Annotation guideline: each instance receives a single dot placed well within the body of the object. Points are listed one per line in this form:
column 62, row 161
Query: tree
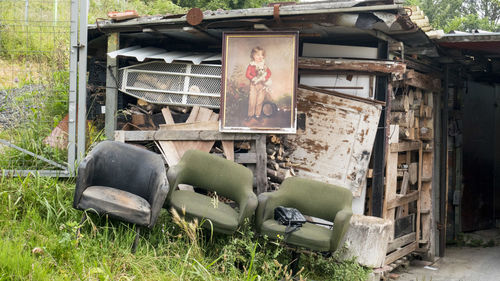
column 489, row 9
column 221, row 4
column 462, row 15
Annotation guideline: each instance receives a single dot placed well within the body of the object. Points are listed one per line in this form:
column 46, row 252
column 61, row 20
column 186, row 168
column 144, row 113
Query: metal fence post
column 82, row 81
column 72, row 87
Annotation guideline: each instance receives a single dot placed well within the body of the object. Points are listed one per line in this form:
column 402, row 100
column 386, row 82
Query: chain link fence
column 34, row 85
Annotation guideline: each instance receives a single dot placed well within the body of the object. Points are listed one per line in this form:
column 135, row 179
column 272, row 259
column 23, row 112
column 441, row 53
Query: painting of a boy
column 260, row 81
column 251, row 101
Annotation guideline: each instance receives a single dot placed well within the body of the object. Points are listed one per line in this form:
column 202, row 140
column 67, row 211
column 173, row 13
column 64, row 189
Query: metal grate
column 173, row 83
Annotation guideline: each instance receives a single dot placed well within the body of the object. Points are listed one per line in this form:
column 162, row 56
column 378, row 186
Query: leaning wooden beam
column 400, row 253
column 404, row 146
column 161, row 135
column 397, row 69
column 401, row 241
column 401, row 200
column 423, row 81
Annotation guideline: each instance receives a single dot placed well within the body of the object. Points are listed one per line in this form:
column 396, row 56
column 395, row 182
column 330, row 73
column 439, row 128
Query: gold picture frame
column 259, row 82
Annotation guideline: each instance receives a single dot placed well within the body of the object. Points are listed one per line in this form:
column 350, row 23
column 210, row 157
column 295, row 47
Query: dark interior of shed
column 473, row 136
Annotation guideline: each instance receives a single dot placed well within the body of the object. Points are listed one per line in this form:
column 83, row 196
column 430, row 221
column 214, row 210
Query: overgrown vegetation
column 38, row 242
column 461, row 15
column 37, row 221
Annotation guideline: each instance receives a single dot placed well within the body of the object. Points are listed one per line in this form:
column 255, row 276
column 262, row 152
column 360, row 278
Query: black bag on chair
column 290, row 217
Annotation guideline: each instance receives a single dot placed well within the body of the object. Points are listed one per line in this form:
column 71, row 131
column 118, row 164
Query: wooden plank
column 426, row 204
column 245, row 158
column 400, row 253
column 228, row 147
column 337, row 141
column 413, row 171
column 422, row 81
column 131, row 136
column 242, row 158
column 404, row 189
column 401, row 241
column 405, row 146
column 193, row 115
column 206, row 125
column 391, row 179
column 111, row 86
column 168, row 148
column 401, row 200
column 199, row 119
column 260, row 166
column 170, row 152
column 120, row 136
column 167, row 115
column 364, row 66
column 212, row 117
column 427, row 165
column 419, row 188
column 204, row 114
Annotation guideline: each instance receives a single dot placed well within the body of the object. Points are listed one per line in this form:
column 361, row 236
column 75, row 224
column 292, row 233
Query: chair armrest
column 174, row 178
column 157, row 198
column 268, row 201
column 84, row 178
column 340, row 226
column 247, row 207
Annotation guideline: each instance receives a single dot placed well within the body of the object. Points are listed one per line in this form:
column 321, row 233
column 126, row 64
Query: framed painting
column 259, row 81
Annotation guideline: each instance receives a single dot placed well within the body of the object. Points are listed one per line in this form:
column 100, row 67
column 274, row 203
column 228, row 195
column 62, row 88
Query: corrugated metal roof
column 157, row 53
column 284, row 10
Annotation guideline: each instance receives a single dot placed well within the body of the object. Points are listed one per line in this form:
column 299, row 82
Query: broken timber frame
column 257, row 157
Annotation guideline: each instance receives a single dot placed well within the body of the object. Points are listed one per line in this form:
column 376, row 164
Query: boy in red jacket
column 260, row 81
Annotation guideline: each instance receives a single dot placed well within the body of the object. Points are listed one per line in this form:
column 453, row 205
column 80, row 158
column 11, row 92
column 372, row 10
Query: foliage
column 221, row 4
column 100, row 8
column 469, row 22
column 41, row 108
column 38, row 242
column 464, row 15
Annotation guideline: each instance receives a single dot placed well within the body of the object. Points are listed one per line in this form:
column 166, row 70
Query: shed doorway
column 481, row 157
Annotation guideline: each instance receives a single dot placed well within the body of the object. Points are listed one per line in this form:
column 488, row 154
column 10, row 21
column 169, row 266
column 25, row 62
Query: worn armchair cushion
column 118, row 203
column 309, row 235
column 216, row 174
column 223, row 217
column 123, row 181
column 312, row 198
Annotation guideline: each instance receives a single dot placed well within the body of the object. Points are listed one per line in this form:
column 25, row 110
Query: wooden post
column 111, row 86
column 261, row 169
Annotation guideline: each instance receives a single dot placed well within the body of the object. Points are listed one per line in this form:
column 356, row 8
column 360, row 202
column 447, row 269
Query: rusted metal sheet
column 336, row 142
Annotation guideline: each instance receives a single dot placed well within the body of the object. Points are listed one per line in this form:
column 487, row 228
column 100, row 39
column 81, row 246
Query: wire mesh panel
column 34, row 84
column 173, row 83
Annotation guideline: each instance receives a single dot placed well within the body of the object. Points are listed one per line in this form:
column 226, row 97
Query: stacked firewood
column 279, row 166
column 412, row 109
column 146, row 116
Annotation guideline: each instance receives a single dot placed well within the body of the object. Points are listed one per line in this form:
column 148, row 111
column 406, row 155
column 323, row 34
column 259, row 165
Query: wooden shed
column 373, row 81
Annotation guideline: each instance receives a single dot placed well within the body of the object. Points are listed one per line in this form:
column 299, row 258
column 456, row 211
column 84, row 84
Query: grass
column 37, row 221
column 37, row 238
column 39, row 109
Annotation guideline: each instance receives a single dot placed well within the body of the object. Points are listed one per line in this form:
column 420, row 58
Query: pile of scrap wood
column 279, row 166
column 411, row 109
column 145, row 116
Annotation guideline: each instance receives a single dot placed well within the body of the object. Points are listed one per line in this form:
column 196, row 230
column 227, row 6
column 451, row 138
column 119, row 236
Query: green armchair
column 311, row 198
column 212, row 173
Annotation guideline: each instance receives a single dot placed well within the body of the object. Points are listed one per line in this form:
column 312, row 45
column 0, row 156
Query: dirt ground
column 461, row 263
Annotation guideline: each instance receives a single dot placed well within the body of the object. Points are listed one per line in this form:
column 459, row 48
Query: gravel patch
column 16, row 104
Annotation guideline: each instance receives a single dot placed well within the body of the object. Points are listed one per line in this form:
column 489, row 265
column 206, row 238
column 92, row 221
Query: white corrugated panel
column 157, row 53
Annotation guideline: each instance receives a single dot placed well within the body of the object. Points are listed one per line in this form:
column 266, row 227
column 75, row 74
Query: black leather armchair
column 123, row 181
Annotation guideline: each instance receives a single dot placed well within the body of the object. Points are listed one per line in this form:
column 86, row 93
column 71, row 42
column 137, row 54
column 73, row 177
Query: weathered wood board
column 337, row 141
